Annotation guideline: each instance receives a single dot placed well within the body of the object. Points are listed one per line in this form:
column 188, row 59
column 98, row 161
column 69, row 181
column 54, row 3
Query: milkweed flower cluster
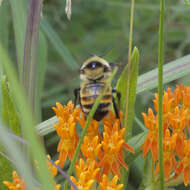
column 100, row 154
column 176, row 130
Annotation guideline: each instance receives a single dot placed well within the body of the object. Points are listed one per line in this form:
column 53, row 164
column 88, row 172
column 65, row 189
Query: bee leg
column 115, row 108
column 76, row 93
column 118, row 94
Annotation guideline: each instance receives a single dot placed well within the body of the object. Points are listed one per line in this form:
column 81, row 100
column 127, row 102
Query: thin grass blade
column 30, row 77
column 18, row 9
column 36, row 149
column 17, row 157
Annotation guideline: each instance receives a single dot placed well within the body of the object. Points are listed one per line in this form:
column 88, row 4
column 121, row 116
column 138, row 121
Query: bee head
column 95, row 68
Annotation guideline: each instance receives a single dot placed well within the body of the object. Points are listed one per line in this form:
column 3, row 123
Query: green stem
column 160, row 91
column 84, row 131
column 129, row 61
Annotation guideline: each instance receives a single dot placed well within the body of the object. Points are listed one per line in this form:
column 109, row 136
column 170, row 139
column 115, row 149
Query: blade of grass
column 36, row 148
column 125, row 111
column 17, row 157
column 18, row 9
column 4, row 34
column 84, row 131
column 171, row 71
column 58, row 44
column 160, row 93
column 30, row 53
column 41, row 71
column 10, row 117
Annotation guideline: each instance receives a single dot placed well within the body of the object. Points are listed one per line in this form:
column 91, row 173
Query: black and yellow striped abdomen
column 88, row 95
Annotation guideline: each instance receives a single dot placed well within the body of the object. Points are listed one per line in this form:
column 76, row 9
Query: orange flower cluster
column 18, row 183
column 100, row 154
column 176, row 130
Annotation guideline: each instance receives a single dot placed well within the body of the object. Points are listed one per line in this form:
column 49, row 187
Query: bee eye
column 93, row 65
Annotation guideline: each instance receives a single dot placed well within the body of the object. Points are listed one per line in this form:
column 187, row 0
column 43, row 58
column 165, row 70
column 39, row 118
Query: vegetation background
column 101, row 28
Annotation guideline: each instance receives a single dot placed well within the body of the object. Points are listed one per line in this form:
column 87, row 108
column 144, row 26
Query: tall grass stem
column 160, row 92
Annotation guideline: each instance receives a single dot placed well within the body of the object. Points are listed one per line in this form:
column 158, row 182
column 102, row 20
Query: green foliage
column 122, row 88
column 9, row 112
column 10, row 118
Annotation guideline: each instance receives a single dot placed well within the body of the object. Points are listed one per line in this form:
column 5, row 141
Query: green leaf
column 147, row 175
column 58, row 44
column 122, row 88
column 18, row 9
column 36, row 150
column 136, row 142
column 171, row 71
column 4, row 34
column 4, row 23
column 9, row 112
column 41, row 71
column 17, row 158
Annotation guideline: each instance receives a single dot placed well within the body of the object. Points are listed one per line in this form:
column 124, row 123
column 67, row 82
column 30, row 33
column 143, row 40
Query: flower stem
column 160, row 91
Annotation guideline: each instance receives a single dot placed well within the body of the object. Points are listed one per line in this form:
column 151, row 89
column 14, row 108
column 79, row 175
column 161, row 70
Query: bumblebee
column 94, row 75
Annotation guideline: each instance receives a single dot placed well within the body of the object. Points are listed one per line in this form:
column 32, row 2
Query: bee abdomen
column 101, row 106
column 92, row 99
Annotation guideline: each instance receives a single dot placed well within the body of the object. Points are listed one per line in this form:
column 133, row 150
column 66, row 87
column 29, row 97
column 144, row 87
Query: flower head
column 17, row 184
column 105, row 184
column 176, row 142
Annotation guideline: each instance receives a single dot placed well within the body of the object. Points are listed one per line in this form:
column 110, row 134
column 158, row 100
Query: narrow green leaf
column 9, row 113
column 136, row 142
column 46, row 127
column 17, row 158
column 171, row 71
column 42, row 64
column 4, row 34
column 4, row 21
column 10, row 118
column 122, row 88
column 18, row 9
column 147, row 182
column 30, row 65
column 58, row 44
column 36, row 149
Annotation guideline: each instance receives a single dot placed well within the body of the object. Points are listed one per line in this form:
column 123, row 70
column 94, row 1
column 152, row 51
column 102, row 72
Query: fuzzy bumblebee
column 94, row 75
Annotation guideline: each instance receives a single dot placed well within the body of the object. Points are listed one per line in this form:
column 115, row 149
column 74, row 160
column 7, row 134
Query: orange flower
column 184, row 165
column 105, row 184
column 17, row 184
column 51, row 167
column 112, row 143
column 178, row 121
column 67, row 117
column 151, row 142
column 91, row 148
column 176, row 142
column 86, row 174
column 169, row 145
